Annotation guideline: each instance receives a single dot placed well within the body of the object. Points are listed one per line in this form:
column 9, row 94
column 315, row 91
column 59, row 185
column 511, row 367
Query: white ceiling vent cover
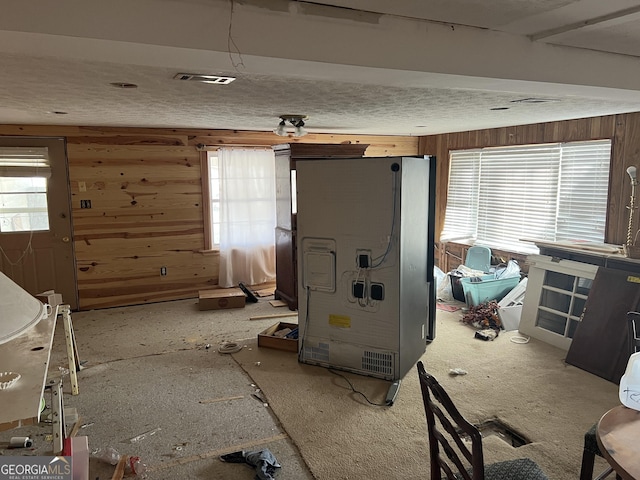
column 198, row 77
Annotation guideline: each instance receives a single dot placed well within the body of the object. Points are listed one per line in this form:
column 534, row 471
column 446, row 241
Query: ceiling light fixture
column 297, row 121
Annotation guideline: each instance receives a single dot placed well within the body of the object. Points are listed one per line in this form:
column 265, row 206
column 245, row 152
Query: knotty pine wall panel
column 622, row 129
column 145, row 189
column 146, row 213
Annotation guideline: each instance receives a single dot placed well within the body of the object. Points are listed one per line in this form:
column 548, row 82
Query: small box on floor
column 277, row 336
column 221, row 298
column 50, row 297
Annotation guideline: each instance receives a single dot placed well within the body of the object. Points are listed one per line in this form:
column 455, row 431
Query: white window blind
column 23, row 189
column 544, row 192
column 462, row 196
column 584, row 180
column 24, row 162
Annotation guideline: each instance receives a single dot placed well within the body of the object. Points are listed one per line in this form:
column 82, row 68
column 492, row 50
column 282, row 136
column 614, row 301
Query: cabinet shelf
column 557, row 293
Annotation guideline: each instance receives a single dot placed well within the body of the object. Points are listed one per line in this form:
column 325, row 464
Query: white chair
column 478, row 258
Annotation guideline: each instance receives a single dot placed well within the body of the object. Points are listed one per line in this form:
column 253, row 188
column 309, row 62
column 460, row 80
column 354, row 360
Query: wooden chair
column 450, row 455
column 591, row 449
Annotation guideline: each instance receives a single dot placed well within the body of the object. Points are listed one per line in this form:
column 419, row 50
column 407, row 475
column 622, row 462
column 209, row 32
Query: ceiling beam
column 617, row 17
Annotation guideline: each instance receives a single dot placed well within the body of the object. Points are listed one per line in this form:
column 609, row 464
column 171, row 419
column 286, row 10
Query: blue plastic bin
column 490, row 288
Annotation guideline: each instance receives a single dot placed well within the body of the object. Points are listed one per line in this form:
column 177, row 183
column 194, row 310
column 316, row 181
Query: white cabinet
column 557, row 292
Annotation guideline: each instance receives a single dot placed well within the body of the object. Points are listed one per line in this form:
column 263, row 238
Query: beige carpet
column 527, row 386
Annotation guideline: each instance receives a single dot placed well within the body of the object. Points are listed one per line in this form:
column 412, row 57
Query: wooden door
column 40, row 259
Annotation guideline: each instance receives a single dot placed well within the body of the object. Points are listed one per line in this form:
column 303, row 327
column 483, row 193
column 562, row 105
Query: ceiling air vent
column 198, row 77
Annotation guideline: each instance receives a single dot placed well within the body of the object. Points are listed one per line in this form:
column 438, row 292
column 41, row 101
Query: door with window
column 36, row 240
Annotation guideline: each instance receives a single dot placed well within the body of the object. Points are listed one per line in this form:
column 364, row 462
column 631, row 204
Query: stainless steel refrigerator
column 365, row 246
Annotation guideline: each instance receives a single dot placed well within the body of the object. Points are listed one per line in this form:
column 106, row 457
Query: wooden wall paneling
column 623, row 130
column 632, row 157
column 159, row 170
column 631, row 141
column 379, row 145
column 146, row 191
column 617, row 214
column 551, row 132
column 146, row 214
column 101, row 135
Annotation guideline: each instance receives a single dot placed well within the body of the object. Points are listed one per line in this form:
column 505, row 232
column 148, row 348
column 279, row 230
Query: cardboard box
column 266, row 338
column 221, row 298
column 50, row 297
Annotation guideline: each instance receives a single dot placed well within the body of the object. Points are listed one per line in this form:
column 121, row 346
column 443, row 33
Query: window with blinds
column 552, row 192
column 23, row 189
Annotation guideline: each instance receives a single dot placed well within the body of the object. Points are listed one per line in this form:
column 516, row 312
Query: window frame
column 27, row 163
column 207, row 211
column 535, row 158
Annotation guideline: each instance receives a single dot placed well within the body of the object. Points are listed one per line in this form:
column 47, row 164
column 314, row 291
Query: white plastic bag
column 511, row 270
column 444, row 291
column 438, row 277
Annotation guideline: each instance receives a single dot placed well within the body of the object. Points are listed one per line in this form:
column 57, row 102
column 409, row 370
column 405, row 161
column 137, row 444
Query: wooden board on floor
column 277, row 303
column 265, row 292
column 275, row 315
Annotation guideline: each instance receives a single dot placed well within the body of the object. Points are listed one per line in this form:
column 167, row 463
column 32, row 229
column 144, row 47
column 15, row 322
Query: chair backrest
column 634, row 332
column 478, row 258
column 448, row 429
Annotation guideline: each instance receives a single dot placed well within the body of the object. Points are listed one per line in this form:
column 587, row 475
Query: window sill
column 215, row 251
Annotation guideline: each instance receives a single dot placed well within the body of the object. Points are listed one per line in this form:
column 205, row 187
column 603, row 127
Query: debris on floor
column 263, row 461
column 123, row 463
column 486, row 334
column 485, row 318
column 144, row 435
column 229, row 347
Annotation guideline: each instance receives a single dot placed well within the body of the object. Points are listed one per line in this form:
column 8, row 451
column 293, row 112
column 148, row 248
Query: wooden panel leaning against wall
column 146, row 195
column 622, row 129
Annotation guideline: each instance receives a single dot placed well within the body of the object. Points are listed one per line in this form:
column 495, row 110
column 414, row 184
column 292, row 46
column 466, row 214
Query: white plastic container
column 630, row 383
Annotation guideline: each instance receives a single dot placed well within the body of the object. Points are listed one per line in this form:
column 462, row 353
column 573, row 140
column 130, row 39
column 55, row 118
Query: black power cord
column 353, row 389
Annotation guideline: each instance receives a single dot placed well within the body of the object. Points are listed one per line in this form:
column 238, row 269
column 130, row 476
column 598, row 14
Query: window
column 23, row 189
column 214, row 199
column 550, row 192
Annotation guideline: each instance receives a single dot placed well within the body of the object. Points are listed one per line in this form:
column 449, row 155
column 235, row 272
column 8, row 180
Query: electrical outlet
column 377, row 291
column 358, row 289
column 363, row 258
column 85, row 203
column 163, row 271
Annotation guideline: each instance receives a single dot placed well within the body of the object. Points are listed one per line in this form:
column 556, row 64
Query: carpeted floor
column 148, row 366
column 527, row 386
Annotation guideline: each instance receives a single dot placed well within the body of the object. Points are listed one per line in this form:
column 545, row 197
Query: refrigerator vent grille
column 377, row 362
column 319, row 353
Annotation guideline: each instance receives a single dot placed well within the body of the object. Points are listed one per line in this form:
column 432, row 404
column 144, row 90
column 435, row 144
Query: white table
column 29, row 355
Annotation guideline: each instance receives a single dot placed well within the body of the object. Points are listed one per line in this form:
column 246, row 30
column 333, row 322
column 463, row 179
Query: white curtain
column 247, row 216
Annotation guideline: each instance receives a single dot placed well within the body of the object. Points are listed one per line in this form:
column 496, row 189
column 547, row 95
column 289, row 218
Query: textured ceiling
column 374, row 101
